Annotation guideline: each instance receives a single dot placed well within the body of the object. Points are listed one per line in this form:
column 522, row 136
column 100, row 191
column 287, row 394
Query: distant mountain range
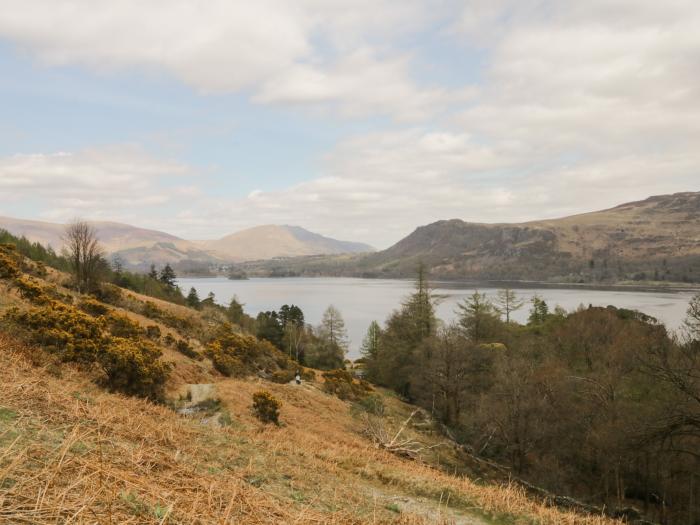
column 268, row 242
column 139, row 247
column 657, row 239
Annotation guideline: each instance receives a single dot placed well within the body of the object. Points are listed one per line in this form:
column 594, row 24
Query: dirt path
column 435, row 511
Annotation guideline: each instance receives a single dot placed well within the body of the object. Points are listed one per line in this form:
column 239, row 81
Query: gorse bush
column 9, row 262
column 372, row 404
column 185, row 349
column 30, row 289
column 153, row 332
column 266, row 407
column 121, row 326
column 130, row 365
column 93, row 307
column 62, row 329
column 282, row 376
column 153, row 311
column 134, row 367
column 341, row 383
column 235, row 354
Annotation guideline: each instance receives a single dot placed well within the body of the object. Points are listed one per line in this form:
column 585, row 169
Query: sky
column 360, row 120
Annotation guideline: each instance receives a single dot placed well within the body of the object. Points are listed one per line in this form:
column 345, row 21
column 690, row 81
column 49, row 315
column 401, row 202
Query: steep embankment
column 654, row 239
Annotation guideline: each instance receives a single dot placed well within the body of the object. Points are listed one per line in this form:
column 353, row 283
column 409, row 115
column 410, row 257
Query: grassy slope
column 73, row 453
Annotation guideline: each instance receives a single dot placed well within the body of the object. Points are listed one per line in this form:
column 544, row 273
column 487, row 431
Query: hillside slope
column 270, row 241
column 71, row 451
column 654, row 239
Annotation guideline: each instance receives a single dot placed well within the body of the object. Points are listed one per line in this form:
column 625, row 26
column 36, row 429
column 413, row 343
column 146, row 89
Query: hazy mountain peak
column 269, row 241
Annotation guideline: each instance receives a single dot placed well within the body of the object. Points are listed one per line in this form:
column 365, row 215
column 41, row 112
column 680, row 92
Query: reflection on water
column 364, row 300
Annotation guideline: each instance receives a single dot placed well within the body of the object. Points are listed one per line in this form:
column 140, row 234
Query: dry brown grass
column 71, row 453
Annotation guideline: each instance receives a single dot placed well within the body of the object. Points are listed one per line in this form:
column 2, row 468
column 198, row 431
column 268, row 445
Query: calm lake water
column 363, row 300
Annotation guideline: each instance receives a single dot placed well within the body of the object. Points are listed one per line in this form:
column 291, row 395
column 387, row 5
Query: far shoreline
column 623, row 286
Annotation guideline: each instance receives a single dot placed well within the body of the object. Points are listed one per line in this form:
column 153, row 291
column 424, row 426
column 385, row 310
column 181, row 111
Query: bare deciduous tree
column 508, row 302
column 85, row 254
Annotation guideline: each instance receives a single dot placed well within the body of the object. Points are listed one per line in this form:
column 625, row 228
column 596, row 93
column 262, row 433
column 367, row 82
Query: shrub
column 121, row 326
column 134, row 367
column 238, row 354
column 109, row 293
column 286, row 375
column 308, row 375
column 153, row 332
column 184, row 348
column 30, row 289
column 282, row 376
column 131, row 365
column 40, row 269
column 62, row 329
column 93, row 307
column 372, row 404
column 341, row 383
column 224, row 361
column 152, row 311
column 9, row 261
column 266, row 407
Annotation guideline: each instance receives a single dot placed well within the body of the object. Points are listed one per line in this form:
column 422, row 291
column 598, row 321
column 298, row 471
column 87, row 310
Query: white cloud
column 581, row 105
column 306, row 52
column 105, row 183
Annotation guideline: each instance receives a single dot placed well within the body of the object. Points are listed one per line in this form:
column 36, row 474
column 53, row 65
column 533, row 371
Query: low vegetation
column 266, row 407
column 600, row 404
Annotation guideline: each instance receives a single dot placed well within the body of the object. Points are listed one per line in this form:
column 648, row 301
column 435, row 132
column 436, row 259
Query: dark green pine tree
column 167, row 276
column 192, row 298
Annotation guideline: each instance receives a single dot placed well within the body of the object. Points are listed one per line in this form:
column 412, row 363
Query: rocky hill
column 654, row 239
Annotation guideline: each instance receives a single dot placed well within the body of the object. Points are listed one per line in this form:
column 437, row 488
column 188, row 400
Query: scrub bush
column 134, row 367
column 266, row 407
column 341, row 383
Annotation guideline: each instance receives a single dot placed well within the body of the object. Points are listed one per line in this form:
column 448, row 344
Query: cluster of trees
column 600, row 403
column 323, row 346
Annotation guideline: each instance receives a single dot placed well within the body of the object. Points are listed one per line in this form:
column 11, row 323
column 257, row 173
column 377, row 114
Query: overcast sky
column 357, row 119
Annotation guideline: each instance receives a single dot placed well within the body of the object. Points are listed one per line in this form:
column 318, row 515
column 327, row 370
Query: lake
column 363, row 300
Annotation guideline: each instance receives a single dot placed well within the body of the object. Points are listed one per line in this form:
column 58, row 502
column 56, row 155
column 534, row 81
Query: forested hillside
column 601, row 403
